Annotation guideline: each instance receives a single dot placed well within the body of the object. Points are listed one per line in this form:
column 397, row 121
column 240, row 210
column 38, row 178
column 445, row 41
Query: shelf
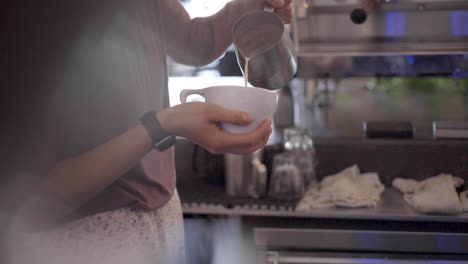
column 199, row 197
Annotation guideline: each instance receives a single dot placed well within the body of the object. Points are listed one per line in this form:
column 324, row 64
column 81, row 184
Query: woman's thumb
column 276, row 3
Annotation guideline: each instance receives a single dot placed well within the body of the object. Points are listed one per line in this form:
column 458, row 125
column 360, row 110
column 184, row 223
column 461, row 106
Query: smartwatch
column 161, row 139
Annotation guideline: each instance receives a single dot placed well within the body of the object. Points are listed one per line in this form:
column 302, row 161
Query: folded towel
column 348, row 188
column 464, row 201
column 405, row 185
column 433, row 195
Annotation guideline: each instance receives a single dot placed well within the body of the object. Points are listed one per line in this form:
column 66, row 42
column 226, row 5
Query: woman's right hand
column 199, row 122
column 282, row 8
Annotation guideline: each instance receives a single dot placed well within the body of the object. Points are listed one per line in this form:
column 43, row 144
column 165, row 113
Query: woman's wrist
column 162, row 118
column 165, row 118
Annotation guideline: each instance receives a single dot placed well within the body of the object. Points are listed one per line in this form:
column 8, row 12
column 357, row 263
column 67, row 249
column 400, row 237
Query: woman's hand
column 283, row 8
column 199, row 122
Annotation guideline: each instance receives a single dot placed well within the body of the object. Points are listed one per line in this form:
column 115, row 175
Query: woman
column 87, row 84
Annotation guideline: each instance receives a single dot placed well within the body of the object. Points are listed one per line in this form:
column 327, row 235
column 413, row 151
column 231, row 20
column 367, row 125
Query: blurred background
column 373, row 79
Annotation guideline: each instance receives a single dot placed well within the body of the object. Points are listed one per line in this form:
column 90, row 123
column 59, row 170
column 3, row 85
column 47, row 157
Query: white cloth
column 433, row 195
column 464, row 201
column 348, row 188
column 122, row 236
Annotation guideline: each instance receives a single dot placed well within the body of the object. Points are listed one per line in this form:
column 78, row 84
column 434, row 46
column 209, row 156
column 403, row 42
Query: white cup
column 258, row 102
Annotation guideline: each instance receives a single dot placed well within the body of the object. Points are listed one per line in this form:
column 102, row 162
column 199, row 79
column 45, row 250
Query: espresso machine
column 375, row 28
column 383, row 38
column 374, row 38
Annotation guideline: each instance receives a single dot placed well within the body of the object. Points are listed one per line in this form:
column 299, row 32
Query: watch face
column 165, row 143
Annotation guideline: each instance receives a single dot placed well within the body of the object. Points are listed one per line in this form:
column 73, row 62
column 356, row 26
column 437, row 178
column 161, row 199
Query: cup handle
column 185, row 93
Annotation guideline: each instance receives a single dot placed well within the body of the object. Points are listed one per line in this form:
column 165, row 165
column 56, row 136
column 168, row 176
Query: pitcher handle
column 185, row 93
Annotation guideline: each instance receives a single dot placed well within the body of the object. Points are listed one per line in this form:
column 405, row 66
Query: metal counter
column 199, row 197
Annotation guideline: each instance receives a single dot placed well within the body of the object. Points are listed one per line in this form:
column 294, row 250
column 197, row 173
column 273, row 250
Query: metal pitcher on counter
column 246, row 176
column 260, row 38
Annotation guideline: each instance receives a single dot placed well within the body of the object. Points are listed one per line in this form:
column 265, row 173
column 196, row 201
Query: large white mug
column 258, row 102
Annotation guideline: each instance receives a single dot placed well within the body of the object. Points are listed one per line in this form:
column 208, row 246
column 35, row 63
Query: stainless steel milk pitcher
column 261, row 38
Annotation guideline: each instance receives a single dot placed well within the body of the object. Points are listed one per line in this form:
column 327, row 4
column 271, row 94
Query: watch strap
column 161, row 139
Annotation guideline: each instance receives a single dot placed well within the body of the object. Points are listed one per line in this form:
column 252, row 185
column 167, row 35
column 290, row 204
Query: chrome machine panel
column 397, row 38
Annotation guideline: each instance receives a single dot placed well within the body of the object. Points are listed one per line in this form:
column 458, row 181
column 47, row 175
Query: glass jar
column 299, row 144
column 286, row 180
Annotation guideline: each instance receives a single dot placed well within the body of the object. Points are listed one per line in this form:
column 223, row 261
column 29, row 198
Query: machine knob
column 359, row 15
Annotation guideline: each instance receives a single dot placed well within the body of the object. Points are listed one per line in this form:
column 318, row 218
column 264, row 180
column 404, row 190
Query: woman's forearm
column 201, row 40
column 73, row 182
column 79, row 179
column 220, row 26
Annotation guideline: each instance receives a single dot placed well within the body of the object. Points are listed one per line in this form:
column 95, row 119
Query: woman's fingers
column 285, row 13
column 249, row 150
column 276, row 3
column 249, row 139
column 199, row 122
column 217, row 113
column 226, row 141
column 283, row 8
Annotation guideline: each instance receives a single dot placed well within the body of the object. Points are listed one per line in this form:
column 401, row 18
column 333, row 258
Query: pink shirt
column 81, row 73
column 119, row 56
